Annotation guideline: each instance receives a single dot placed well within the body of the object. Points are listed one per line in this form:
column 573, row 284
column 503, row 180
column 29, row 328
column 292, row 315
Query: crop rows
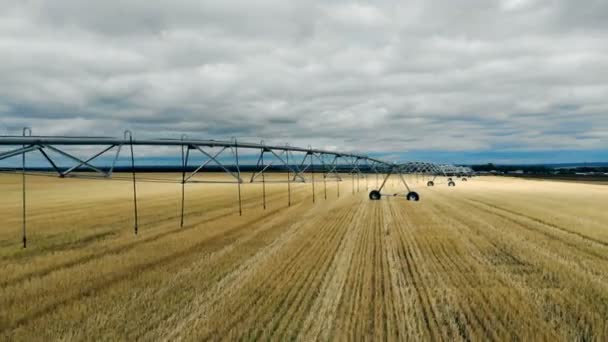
column 493, row 259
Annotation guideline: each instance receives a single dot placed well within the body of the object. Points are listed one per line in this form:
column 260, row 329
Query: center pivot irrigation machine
column 295, row 161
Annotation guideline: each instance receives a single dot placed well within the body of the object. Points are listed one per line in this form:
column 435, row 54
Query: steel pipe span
column 331, row 164
column 90, row 141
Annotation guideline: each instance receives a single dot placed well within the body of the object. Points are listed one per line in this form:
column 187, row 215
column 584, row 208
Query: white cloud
column 385, row 76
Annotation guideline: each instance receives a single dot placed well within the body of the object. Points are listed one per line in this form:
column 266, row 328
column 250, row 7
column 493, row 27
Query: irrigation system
column 223, row 155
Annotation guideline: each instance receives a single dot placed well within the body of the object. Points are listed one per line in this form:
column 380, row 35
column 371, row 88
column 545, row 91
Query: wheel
column 451, row 183
column 449, row 179
column 374, row 195
column 430, row 183
column 413, row 196
column 464, row 179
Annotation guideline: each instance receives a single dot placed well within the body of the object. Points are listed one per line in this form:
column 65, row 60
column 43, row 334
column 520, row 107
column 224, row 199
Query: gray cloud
column 381, row 76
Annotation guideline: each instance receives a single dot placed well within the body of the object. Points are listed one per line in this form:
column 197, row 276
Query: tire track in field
column 458, row 270
column 293, row 297
column 405, row 301
column 407, row 282
column 230, row 285
column 381, row 280
column 219, row 270
column 295, row 302
column 363, row 309
column 219, row 287
column 331, row 291
column 430, row 267
column 256, row 299
column 299, row 310
column 362, row 316
column 347, row 305
column 411, row 253
column 384, row 318
column 392, row 298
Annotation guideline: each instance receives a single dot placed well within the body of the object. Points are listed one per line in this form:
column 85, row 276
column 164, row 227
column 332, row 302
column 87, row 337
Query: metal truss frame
column 330, row 165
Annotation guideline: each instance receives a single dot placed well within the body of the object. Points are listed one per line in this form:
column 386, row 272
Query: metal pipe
column 47, row 140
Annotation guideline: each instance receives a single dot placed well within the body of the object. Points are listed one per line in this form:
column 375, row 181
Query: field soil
column 489, row 259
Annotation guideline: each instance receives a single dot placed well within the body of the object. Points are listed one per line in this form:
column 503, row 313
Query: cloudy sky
column 467, row 81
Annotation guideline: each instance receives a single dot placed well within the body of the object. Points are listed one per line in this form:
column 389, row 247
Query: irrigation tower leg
column 185, row 157
column 324, row 180
column 263, row 182
column 135, row 228
column 238, row 170
column 312, row 176
column 288, row 181
column 24, row 234
column 338, row 187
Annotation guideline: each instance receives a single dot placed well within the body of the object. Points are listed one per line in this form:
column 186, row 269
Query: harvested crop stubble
column 491, row 259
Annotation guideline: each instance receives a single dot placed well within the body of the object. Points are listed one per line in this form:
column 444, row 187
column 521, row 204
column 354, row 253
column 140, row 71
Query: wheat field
column 491, row 259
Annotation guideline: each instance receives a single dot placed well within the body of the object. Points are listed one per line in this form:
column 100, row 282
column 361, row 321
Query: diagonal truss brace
column 81, row 162
column 18, row 151
column 214, row 159
column 257, row 174
column 286, row 164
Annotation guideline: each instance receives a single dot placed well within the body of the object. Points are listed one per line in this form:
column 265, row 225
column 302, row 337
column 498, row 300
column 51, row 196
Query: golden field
column 491, row 259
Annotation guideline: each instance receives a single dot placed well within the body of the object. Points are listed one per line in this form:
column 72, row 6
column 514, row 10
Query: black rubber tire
column 430, row 183
column 413, row 196
column 451, row 183
column 464, row 179
column 449, row 179
column 374, row 195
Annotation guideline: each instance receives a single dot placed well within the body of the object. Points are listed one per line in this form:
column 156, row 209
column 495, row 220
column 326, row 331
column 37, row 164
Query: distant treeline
column 539, row 169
